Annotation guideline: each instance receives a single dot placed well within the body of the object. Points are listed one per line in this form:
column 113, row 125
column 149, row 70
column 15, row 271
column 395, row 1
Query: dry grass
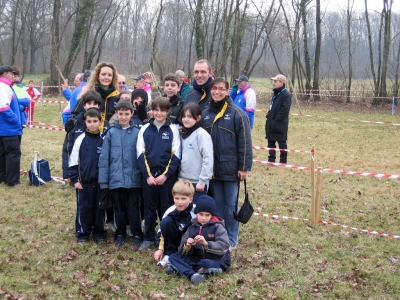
column 276, row 259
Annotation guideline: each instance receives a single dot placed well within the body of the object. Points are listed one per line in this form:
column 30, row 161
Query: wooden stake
column 318, row 196
column 312, row 218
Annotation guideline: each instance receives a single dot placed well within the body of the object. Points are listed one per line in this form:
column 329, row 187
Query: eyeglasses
column 219, row 89
column 121, row 83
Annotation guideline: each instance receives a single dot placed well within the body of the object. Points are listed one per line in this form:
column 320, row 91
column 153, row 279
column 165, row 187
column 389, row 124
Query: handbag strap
column 245, row 191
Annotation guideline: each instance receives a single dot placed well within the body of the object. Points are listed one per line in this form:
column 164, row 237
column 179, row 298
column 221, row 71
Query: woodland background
column 315, row 48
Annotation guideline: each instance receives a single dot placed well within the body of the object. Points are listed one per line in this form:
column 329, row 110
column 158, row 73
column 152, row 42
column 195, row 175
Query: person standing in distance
column 277, row 123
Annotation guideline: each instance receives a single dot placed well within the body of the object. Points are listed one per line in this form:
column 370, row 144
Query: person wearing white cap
column 10, row 130
column 276, row 126
column 245, row 97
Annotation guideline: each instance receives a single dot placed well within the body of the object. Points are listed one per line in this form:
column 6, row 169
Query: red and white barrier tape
column 344, row 95
column 52, row 101
column 282, row 150
column 47, row 128
column 330, row 223
column 45, row 124
column 338, row 119
column 367, row 174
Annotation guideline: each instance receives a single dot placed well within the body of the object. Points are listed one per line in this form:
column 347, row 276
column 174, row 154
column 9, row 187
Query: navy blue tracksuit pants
column 187, row 265
column 89, row 216
column 153, row 196
column 127, row 208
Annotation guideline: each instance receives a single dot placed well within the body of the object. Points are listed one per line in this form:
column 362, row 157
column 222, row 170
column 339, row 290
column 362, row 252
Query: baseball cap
column 242, row 78
column 280, row 78
column 139, row 77
column 4, row 69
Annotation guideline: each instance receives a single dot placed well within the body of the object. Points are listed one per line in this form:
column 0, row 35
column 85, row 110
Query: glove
column 69, row 125
column 141, row 111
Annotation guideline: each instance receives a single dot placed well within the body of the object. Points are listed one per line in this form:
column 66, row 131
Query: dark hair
column 219, row 80
column 124, row 105
column 193, row 108
column 86, row 75
column 32, row 81
column 172, row 77
column 93, row 112
column 162, row 103
column 91, row 96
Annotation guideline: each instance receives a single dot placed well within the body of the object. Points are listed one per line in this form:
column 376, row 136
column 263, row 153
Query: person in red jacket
column 35, row 96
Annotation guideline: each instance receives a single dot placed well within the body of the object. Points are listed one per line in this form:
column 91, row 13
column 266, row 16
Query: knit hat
column 205, row 204
column 140, row 93
column 4, row 69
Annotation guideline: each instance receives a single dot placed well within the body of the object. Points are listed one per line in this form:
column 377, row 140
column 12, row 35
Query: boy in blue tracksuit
column 158, row 150
column 75, row 126
column 84, row 171
column 204, row 248
column 119, row 172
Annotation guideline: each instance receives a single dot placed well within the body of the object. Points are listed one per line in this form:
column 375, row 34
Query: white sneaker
column 128, row 231
column 232, row 248
column 164, row 262
column 110, row 226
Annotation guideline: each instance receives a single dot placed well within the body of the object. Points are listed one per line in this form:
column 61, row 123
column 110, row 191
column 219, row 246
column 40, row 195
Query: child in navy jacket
column 84, row 171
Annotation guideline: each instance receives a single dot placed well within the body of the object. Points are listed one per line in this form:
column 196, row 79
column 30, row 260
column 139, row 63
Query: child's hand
column 158, row 255
column 200, row 187
column 190, row 242
column 201, row 240
column 78, row 186
column 161, row 179
column 151, row 181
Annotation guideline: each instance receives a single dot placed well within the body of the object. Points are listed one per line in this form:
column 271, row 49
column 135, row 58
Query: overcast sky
column 359, row 5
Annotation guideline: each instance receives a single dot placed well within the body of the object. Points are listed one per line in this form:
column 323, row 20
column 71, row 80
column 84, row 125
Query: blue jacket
column 118, row 165
column 159, row 151
column 84, row 159
column 201, row 96
column 72, row 97
column 231, row 136
column 245, row 98
column 23, row 99
column 10, row 115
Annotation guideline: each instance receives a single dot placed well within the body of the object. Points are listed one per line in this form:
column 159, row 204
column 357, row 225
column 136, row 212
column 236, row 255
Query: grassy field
column 275, row 259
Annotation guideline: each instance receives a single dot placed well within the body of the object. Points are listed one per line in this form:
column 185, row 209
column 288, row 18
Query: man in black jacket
column 276, row 126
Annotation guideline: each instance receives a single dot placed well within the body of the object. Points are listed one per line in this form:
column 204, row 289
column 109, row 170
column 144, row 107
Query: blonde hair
column 94, row 78
column 183, row 187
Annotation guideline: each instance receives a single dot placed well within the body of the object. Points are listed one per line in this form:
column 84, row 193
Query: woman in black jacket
column 229, row 128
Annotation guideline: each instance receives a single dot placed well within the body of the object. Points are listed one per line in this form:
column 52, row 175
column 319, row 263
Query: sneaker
column 197, row 278
column 120, row 240
column 164, row 262
column 128, row 231
column 110, row 226
column 146, row 245
column 232, row 248
column 101, row 242
column 171, row 271
column 137, row 241
column 83, row 240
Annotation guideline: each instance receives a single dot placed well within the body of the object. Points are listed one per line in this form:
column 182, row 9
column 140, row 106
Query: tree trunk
column 198, row 32
column 317, row 50
column 350, row 58
column 55, row 43
column 303, row 14
column 387, row 15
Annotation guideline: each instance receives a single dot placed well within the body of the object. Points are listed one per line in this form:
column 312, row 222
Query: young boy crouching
column 204, row 248
column 175, row 222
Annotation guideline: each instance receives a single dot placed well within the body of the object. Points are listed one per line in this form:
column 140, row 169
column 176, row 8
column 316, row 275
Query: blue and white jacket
column 159, row 150
column 84, row 159
column 10, row 115
column 246, row 99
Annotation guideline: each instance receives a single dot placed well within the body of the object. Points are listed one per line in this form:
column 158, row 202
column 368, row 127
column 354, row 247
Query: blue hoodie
column 10, row 116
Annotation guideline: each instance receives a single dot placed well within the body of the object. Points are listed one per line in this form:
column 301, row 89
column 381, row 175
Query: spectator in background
column 67, row 93
column 35, row 96
column 73, row 97
column 24, row 99
column 184, row 88
column 203, row 76
column 122, row 83
column 277, row 124
column 10, row 130
column 244, row 96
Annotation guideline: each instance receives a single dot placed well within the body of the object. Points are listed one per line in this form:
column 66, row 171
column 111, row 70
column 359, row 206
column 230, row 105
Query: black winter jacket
column 277, row 124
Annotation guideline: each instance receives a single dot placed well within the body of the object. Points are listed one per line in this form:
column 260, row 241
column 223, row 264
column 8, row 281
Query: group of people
column 174, row 155
column 17, row 103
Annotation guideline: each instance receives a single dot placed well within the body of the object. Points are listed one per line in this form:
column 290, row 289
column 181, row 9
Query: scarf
column 186, row 132
column 204, row 87
column 215, row 107
column 104, row 92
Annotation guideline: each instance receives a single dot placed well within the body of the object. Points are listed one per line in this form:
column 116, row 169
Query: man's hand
column 242, row 175
column 64, row 85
